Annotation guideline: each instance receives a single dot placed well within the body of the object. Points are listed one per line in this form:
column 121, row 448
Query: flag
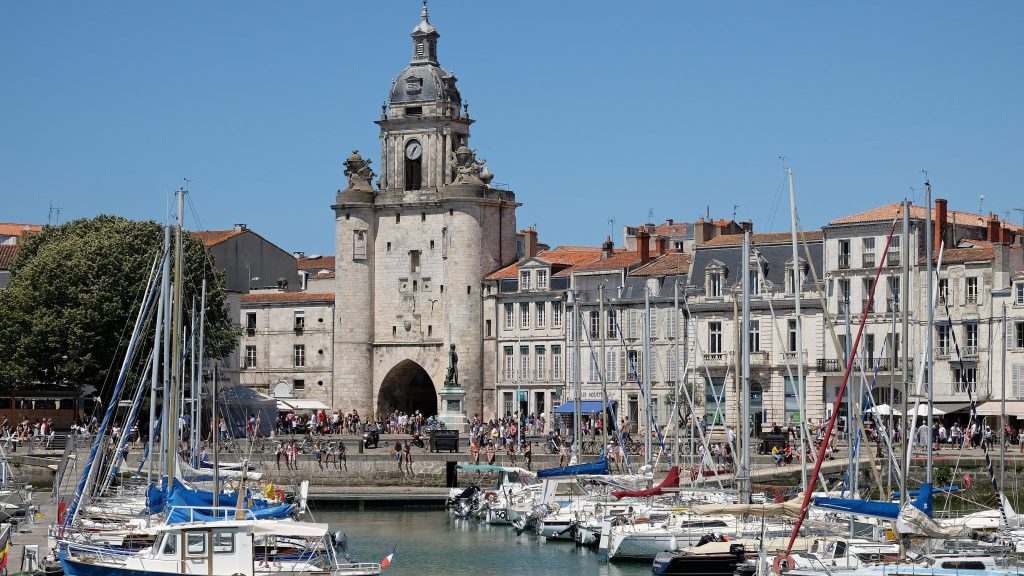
column 5, row 545
column 389, row 558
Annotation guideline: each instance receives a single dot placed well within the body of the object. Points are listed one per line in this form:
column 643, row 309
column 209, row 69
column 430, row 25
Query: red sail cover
column 670, row 481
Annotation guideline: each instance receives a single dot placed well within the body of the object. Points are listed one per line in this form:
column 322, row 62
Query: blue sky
column 588, row 110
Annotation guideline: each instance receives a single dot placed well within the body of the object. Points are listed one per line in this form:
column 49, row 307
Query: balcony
column 883, row 364
column 942, row 351
column 893, row 259
column 970, row 351
column 715, row 358
column 250, row 331
column 844, row 261
column 794, row 356
column 972, row 297
column 867, row 305
column 867, row 261
column 759, row 358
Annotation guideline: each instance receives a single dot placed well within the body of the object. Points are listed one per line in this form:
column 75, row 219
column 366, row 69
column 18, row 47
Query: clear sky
column 588, row 110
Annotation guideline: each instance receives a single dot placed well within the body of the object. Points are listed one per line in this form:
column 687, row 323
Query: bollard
column 360, row 445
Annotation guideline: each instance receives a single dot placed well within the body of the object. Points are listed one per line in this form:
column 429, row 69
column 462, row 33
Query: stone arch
column 407, row 387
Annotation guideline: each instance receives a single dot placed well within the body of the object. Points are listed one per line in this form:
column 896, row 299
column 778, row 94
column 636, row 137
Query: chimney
column 662, row 244
column 670, row 222
column 995, row 229
column 939, row 222
column 607, row 248
column 643, row 245
column 530, row 242
column 240, row 227
column 699, row 232
column 298, row 254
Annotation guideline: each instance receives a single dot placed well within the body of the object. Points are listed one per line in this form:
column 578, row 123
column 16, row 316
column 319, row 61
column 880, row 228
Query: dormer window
column 714, row 279
column 542, row 279
column 524, row 280
column 795, row 275
column 1019, row 293
column 714, row 287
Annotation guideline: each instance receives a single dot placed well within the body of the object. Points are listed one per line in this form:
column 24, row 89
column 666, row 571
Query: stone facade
column 285, row 348
column 412, row 249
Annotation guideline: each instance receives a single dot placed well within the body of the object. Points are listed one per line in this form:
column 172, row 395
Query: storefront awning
column 300, row 404
column 994, row 408
column 586, row 407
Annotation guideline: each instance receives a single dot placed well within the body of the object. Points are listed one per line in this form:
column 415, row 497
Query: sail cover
column 877, row 508
column 670, row 481
column 599, row 466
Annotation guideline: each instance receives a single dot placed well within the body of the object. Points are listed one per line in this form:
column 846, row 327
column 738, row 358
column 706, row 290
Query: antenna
column 53, row 216
column 650, row 215
column 981, row 203
column 734, row 208
column 611, row 226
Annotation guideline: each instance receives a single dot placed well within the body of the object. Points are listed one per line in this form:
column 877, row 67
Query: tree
column 75, row 290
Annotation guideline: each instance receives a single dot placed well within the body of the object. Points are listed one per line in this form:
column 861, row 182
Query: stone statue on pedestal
column 452, row 377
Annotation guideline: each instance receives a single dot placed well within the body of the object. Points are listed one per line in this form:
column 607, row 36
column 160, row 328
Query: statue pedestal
column 453, row 412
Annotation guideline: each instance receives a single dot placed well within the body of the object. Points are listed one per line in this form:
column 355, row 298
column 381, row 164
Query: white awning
column 301, row 404
column 994, row 408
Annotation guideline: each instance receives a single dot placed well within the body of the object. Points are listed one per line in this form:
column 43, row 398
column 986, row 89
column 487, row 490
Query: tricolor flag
column 389, row 558
column 5, row 545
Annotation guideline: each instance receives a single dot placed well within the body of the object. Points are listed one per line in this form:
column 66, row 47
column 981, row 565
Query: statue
column 452, row 377
column 467, row 167
column 358, row 172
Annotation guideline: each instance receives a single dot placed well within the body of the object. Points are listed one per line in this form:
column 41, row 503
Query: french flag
column 389, row 558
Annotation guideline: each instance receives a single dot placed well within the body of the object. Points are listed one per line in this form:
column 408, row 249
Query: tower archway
column 407, row 388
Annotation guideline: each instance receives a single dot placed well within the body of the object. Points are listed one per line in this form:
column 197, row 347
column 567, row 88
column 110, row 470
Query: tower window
column 419, row 49
column 398, row 218
column 469, row 289
column 423, row 216
column 430, row 330
column 431, row 244
column 414, row 111
column 414, row 261
column 413, row 173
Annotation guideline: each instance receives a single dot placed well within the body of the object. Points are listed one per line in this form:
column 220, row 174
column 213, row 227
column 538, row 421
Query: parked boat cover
column 599, row 466
column 790, row 508
column 670, row 481
column 876, row 508
column 182, row 515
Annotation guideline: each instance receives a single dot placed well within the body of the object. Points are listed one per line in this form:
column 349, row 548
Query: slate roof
column 7, row 252
column 677, row 263
column 275, row 297
column 763, row 239
column 775, row 257
column 566, row 256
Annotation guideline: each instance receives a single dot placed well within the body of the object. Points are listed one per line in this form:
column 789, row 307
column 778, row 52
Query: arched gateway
column 407, row 388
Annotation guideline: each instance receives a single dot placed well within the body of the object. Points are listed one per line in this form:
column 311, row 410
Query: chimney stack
column 939, row 222
column 607, row 248
column 530, row 242
column 662, row 243
column 995, row 229
column 643, row 245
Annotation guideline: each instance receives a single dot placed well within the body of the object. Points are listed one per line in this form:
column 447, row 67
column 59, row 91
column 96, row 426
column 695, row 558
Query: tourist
column 943, row 435
column 563, row 455
column 318, row 449
column 490, row 453
column 528, row 454
column 278, row 454
column 474, row 450
column 396, row 453
column 342, row 455
column 510, row 450
column 407, row 454
column 776, row 455
column 329, row 455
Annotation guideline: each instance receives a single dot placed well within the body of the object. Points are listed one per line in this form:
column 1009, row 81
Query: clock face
column 413, row 149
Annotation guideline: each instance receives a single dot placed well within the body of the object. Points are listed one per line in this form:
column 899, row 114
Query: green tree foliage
column 75, row 290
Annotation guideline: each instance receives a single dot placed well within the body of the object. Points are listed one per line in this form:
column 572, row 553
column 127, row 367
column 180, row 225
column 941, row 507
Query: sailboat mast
column 797, row 289
column 214, row 437
column 929, row 378
column 197, row 426
column 905, row 350
column 165, row 267
column 1002, row 407
column 171, row 414
column 604, row 364
column 646, row 380
column 743, row 477
column 576, row 366
column 677, row 376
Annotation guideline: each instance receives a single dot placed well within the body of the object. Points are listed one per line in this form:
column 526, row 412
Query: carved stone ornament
column 358, row 172
column 467, row 168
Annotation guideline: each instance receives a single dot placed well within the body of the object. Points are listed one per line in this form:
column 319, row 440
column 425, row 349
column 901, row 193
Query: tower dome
column 424, row 80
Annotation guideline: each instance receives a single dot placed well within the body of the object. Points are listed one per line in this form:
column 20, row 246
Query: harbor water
column 434, row 542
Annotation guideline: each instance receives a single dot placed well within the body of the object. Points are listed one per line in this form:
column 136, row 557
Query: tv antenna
column 53, row 216
column 981, row 203
column 734, row 208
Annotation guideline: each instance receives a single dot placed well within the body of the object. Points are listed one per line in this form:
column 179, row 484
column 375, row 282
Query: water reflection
column 433, row 542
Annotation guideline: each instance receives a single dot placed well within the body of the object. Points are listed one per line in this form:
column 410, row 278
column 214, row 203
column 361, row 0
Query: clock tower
column 412, row 248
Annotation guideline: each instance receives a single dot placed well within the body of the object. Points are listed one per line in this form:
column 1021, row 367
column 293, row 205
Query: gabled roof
column 14, row 229
column 966, row 251
column 564, row 256
column 214, row 237
column 7, row 252
column 762, row 239
column 889, row 212
column 315, row 263
column 278, row 297
column 618, row 260
column 669, row 264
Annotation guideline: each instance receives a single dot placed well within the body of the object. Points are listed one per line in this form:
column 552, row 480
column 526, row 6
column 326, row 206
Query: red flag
column 389, row 558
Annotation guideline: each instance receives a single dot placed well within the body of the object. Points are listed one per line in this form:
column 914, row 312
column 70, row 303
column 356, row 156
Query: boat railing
column 104, row 553
column 341, row 569
column 216, row 512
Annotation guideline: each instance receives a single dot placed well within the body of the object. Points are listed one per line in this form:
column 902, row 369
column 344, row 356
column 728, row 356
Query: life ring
column 779, row 559
column 280, row 494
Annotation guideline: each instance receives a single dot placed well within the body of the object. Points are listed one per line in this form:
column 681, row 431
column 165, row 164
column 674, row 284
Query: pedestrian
column 490, row 453
column 396, row 453
column 278, row 454
column 528, row 454
column 407, row 454
column 342, row 455
column 318, row 449
column 563, row 455
column 474, row 450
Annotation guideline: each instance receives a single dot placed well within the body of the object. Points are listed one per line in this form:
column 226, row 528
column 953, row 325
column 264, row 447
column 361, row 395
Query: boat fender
column 782, row 563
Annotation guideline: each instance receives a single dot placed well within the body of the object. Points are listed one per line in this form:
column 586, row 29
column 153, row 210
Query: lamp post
column 248, row 274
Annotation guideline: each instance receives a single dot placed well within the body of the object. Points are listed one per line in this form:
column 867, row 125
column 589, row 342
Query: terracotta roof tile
column 7, row 252
column 889, row 212
column 966, row 251
column 315, row 263
column 214, row 237
column 762, row 239
column 618, row 260
column 567, row 256
column 675, row 229
column 323, row 275
column 13, row 229
column 665, row 265
column 270, row 297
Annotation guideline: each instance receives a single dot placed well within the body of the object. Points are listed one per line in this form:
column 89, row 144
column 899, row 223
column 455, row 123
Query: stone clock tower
column 413, row 247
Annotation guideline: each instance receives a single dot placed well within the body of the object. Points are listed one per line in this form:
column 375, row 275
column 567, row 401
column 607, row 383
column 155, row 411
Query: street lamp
column 248, row 274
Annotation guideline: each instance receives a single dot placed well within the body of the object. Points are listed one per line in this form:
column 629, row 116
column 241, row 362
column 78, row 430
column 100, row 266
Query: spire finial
column 423, row 14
